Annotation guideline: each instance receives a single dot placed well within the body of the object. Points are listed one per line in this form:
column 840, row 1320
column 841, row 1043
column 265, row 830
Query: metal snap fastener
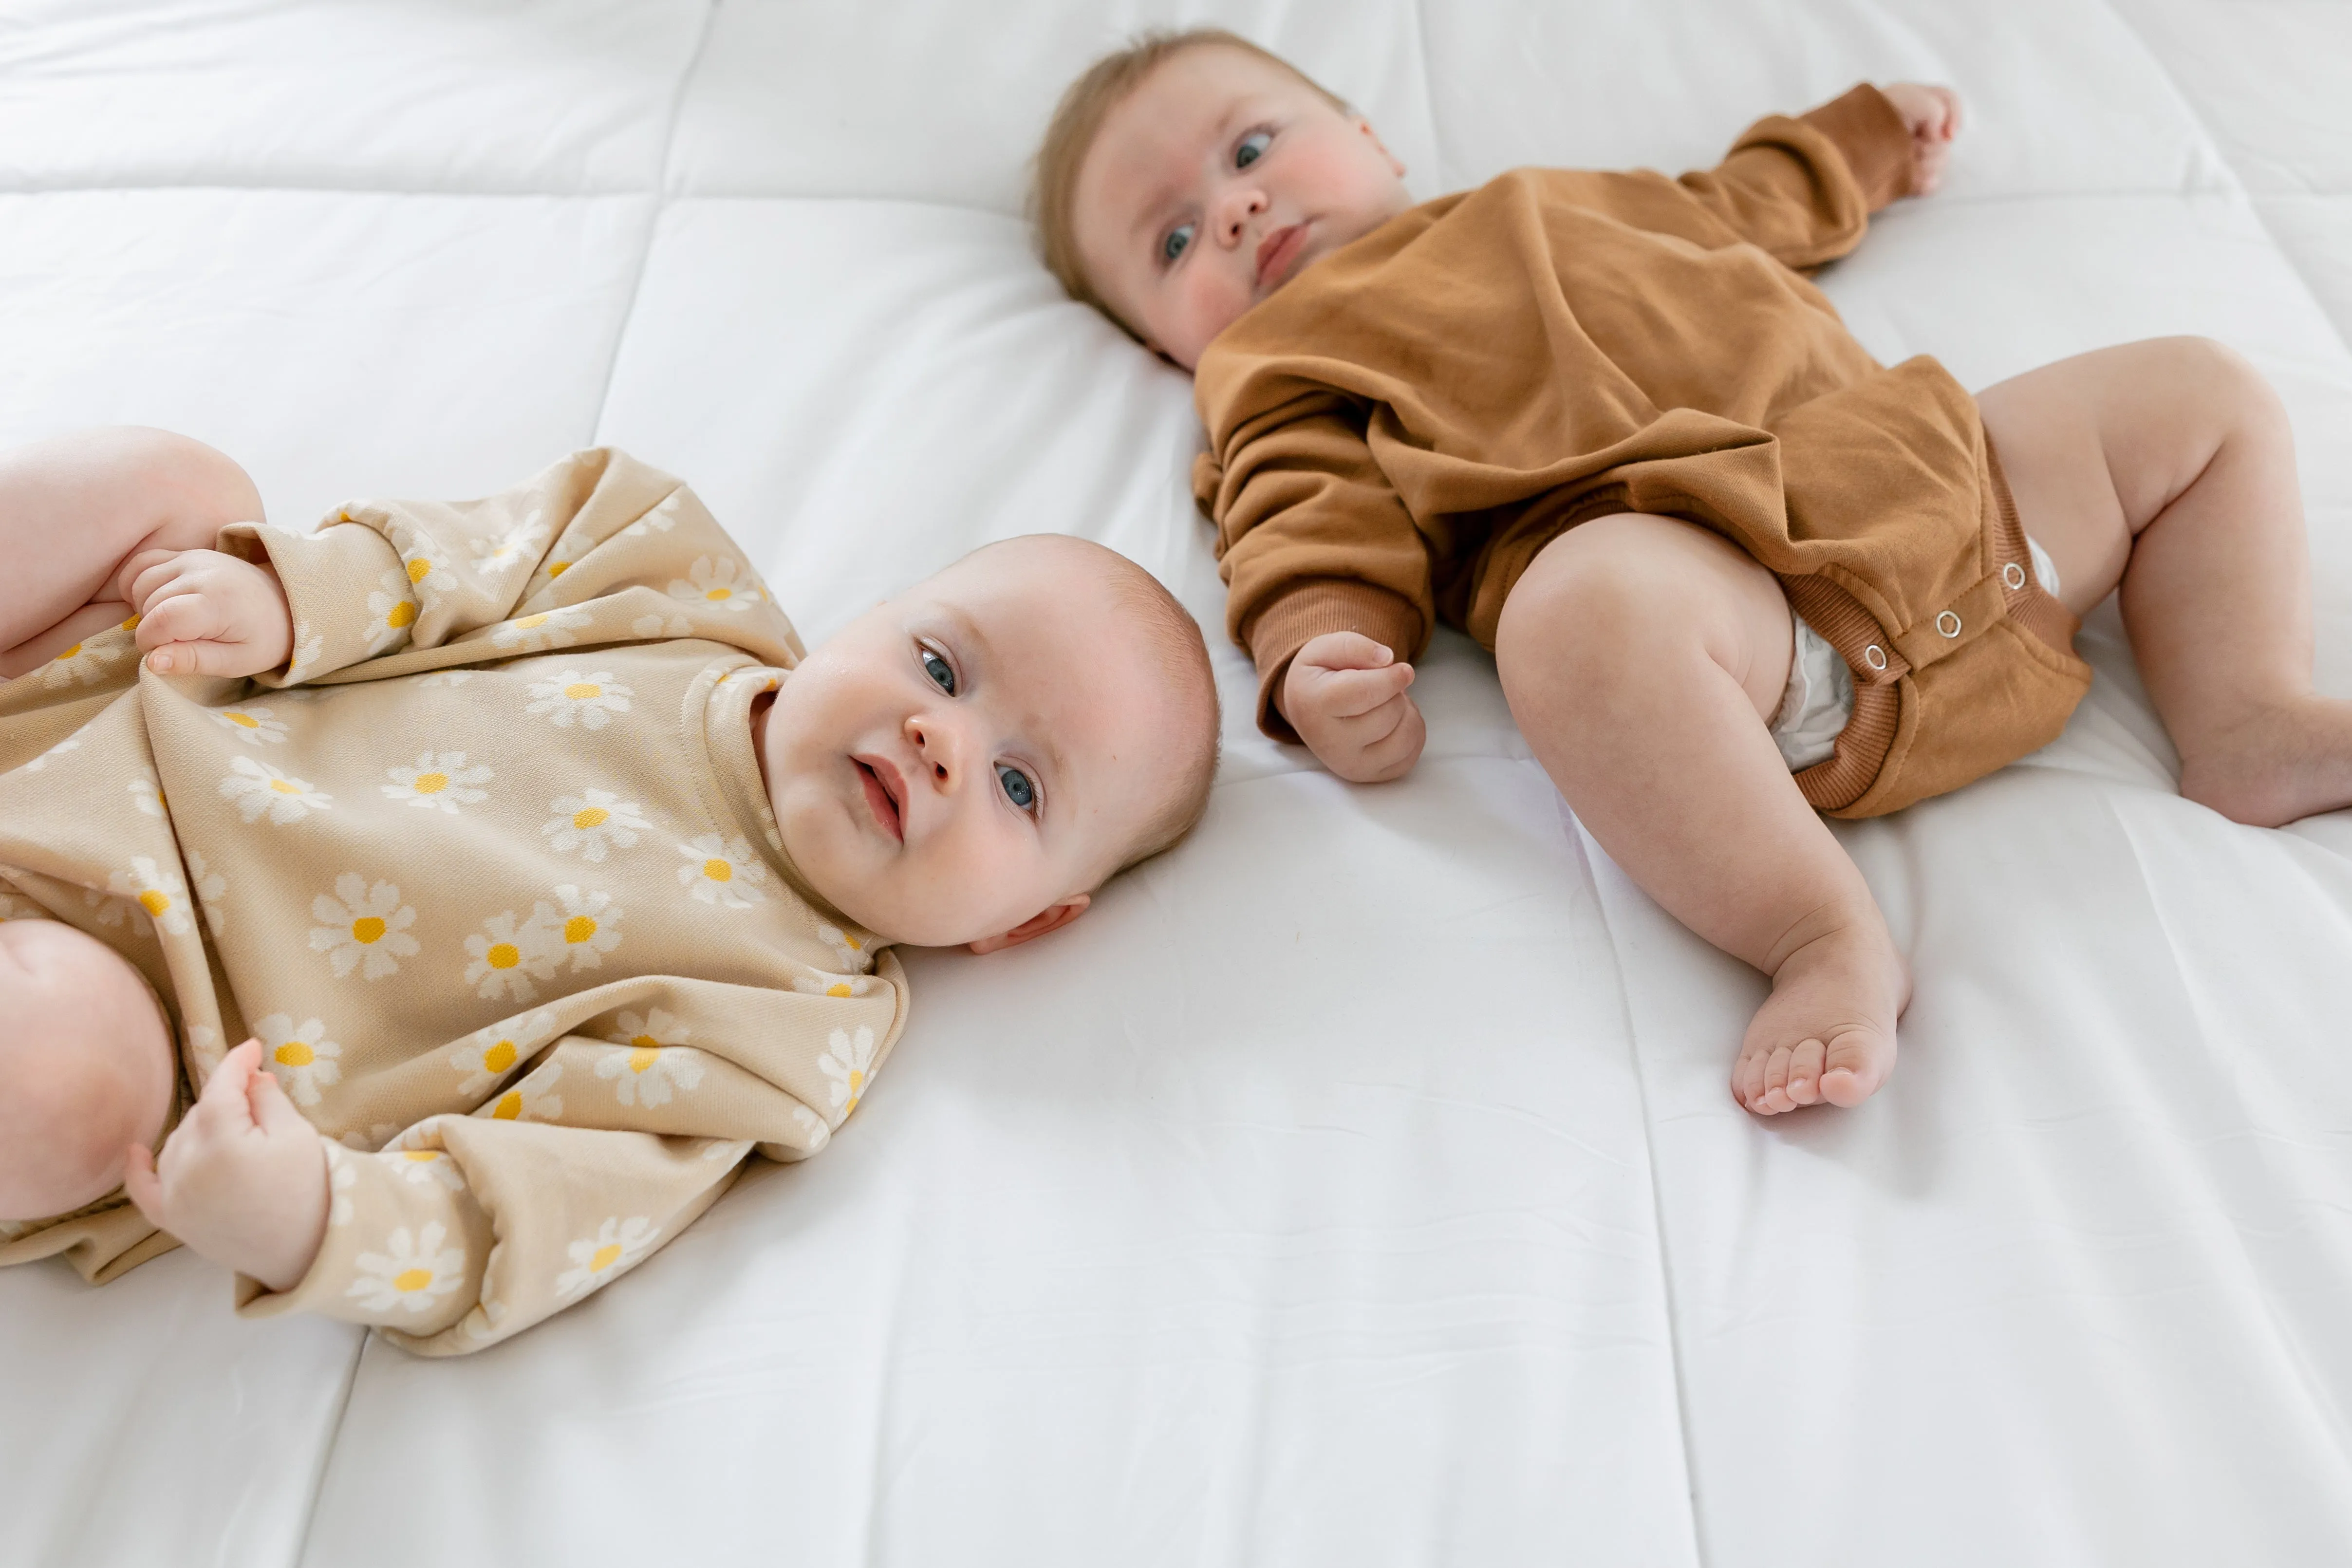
column 2014, row 574
column 1949, row 623
column 1874, row 656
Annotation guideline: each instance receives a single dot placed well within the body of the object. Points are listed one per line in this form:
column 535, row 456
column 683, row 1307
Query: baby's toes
column 1776, row 1080
column 1805, row 1072
column 1853, row 1067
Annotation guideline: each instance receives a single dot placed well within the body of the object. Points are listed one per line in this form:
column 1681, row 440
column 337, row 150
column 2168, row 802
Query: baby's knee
column 193, row 490
column 87, row 1067
column 2224, row 380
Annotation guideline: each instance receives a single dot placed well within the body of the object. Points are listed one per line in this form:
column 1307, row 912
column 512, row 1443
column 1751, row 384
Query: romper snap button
column 2014, row 574
column 1949, row 623
column 1874, row 656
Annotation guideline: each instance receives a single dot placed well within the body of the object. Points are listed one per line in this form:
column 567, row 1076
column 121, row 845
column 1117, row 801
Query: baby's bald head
column 986, row 748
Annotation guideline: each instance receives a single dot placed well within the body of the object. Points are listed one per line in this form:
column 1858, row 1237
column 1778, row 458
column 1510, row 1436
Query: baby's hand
column 243, row 1178
column 1344, row 694
column 204, row 612
column 1932, row 115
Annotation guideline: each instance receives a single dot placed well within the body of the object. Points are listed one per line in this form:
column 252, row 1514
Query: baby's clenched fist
column 204, row 612
column 242, row 1178
column 1932, row 115
column 1345, row 695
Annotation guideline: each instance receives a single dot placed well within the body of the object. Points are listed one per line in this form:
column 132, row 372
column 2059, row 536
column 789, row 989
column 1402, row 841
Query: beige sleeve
column 598, row 548
column 613, row 1133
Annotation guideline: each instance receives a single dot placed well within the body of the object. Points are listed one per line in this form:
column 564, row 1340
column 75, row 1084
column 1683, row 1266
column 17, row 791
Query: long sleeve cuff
column 1278, row 630
column 1870, row 136
column 405, row 1244
column 349, row 591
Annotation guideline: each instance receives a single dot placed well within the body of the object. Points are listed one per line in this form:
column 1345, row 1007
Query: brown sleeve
column 1804, row 188
column 1312, row 537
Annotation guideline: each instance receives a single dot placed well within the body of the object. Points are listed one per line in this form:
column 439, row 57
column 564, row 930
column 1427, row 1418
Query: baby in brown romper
column 1733, row 572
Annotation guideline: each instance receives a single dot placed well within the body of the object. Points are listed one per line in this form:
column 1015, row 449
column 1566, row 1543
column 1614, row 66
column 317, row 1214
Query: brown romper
column 1396, row 433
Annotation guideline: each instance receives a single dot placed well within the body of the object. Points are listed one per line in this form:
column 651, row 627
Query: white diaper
column 1819, row 699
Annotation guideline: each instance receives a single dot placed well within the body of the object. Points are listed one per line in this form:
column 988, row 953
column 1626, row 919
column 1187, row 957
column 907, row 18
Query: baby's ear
column 1052, row 917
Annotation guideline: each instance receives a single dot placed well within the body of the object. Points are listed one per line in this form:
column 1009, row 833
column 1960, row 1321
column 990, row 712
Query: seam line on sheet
column 327, row 1449
column 1574, row 834
column 661, row 195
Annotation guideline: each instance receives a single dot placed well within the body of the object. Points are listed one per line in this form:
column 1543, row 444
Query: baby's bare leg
column 1643, row 657
column 73, row 508
column 2169, row 465
column 86, row 1068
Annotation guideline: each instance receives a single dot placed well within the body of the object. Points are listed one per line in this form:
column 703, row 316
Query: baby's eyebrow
column 1150, row 213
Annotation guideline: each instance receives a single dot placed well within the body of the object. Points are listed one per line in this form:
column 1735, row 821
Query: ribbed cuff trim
column 1276, row 633
column 1870, row 135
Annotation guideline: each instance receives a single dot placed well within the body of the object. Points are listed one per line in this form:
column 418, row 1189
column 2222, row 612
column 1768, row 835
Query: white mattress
column 1358, row 1185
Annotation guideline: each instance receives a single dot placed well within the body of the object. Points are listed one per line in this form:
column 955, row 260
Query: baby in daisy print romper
column 541, row 874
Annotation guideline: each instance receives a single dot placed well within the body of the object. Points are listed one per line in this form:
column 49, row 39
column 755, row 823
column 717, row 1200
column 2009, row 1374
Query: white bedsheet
column 1359, row 1184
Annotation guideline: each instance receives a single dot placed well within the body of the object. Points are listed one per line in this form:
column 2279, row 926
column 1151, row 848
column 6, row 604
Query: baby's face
column 974, row 752
column 1212, row 185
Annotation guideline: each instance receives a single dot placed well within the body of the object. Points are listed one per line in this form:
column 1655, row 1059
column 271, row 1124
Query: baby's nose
column 936, row 741
column 1240, row 207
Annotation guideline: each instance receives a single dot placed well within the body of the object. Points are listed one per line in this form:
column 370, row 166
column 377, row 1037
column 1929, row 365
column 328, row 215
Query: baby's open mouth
column 1276, row 251
column 879, row 799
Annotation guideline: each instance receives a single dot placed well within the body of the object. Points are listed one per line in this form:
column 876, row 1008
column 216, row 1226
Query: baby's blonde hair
column 1077, row 119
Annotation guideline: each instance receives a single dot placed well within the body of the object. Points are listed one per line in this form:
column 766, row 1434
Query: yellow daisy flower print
column 86, row 662
column 487, row 1055
column 252, row 724
column 438, row 779
column 363, row 927
column 257, row 787
column 645, row 1069
column 392, row 610
column 157, row 889
column 145, row 796
column 720, row 584
column 590, row 821
column 424, row 1168
column 210, row 888
column 529, row 1100
column 854, row 948
column 204, row 1049
column 832, row 985
column 812, row 1127
column 618, row 1243
column 538, row 633
column 583, row 927
column 421, row 570
column 308, row 646
column 506, row 957
column 512, row 547
column 70, row 744
column 848, row 1064
column 661, row 520
column 652, row 626
column 303, row 1060
column 721, row 872
column 410, row 1273
column 589, row 700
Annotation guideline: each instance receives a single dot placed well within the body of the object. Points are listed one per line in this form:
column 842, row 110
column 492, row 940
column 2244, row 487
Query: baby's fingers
column 140, row 1184
column 1349, row 693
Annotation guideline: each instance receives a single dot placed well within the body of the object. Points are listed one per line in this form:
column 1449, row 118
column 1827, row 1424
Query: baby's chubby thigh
column 86, row 1068
column 1623, row 598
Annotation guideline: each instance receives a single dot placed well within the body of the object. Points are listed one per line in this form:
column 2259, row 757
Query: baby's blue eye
column 1252, row 149
column 1178, row 238
column 942, row 673
column 1017, row 787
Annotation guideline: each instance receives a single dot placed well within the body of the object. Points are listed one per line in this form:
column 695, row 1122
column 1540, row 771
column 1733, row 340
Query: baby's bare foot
column 2275, row 764
column 1827, row 1032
